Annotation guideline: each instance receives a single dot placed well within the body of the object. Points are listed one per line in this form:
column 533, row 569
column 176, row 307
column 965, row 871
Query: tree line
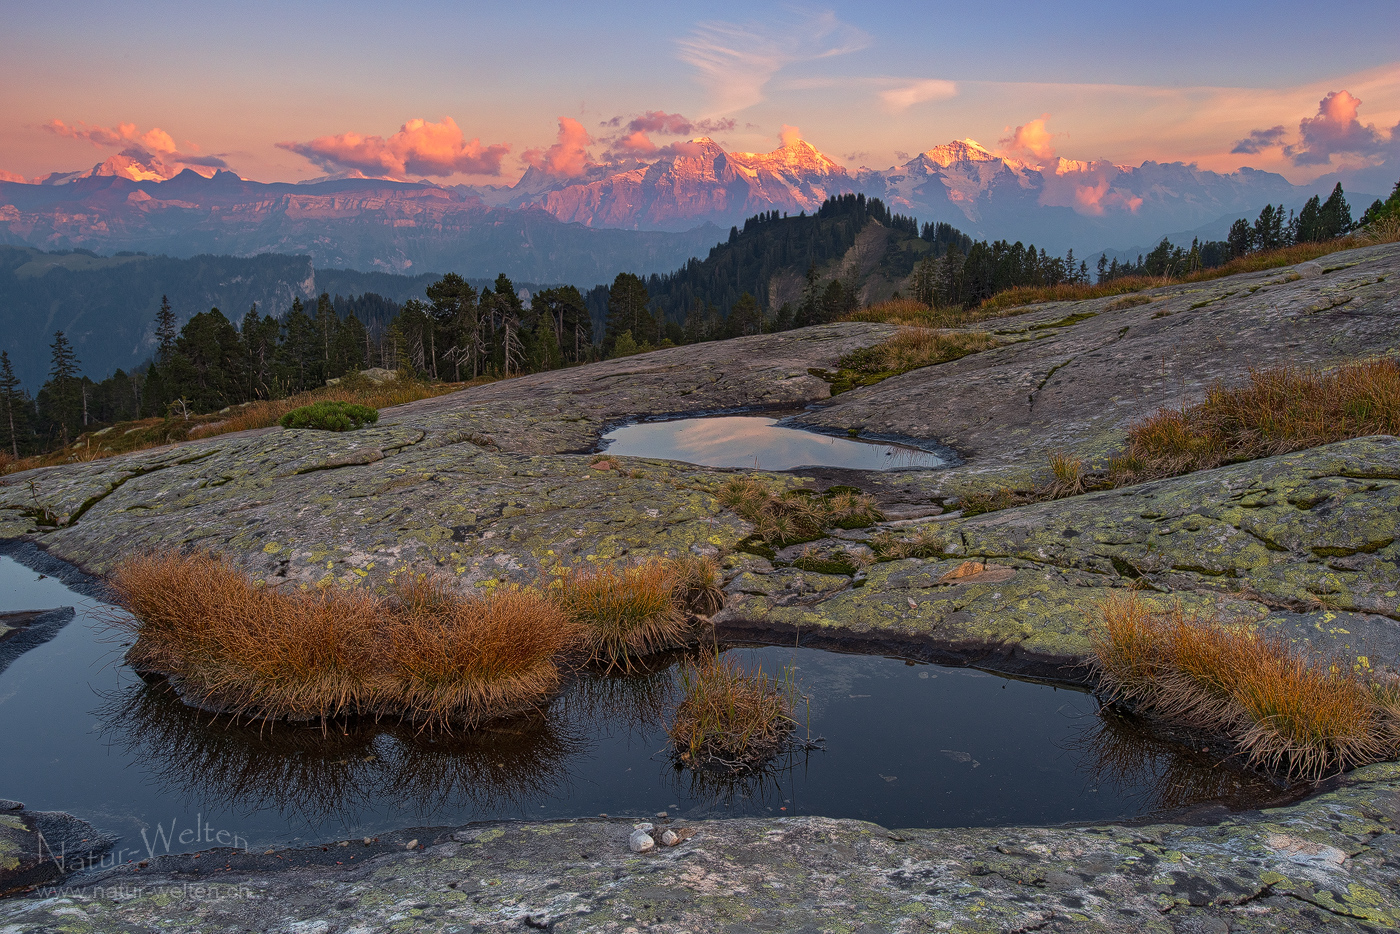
column 461, row 333
column 210, row 363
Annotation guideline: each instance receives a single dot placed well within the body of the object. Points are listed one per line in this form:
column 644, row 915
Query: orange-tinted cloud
column 789, row 134
column 568, row 156
column 1032, row 140
column 418, row 148
column 154, row 140
column 12, row 177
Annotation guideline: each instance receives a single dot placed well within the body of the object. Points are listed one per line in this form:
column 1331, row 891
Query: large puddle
column 758, row 442
column 905, row 745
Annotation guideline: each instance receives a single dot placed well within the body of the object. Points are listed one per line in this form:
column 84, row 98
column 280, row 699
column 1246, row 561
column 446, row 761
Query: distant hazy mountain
column 637, row 215
column 369, row 224
column 1085, row 205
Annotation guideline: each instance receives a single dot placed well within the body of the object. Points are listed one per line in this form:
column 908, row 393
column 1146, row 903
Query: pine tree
column 11, row 398
column 1336, row 215
column 64, row 388
column 627, row 310
column 165, row 331
column 1241, row 238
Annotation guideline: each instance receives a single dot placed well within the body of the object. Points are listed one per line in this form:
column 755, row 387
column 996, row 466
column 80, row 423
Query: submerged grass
column 728, row 719
column 1289, row 710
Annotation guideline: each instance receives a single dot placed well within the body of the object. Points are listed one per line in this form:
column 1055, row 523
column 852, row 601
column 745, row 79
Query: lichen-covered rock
column 41, row 847
column 1327, row 864
column 1289, row 542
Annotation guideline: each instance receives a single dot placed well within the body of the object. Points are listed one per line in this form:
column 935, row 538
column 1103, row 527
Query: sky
column 478, row 92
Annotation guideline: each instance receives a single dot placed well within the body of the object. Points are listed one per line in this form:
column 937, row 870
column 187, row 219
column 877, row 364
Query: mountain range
column 638, row 216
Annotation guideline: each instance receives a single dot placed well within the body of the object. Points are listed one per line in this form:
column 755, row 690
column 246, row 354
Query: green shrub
column 330, row 416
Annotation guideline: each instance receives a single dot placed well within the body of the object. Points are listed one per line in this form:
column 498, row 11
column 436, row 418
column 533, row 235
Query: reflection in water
column 635, row 702
column 1121, row 753
column 306, row 773
column 761, row 443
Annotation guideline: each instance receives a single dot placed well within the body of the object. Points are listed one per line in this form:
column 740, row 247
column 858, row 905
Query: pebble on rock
column 670, row 838
column 641, row 841
column 646, row 826
column 410, row 845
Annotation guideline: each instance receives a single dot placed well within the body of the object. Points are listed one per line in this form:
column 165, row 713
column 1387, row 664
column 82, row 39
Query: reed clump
column 425, row 653
column 1290, row 711
column 794, row 516
column 728, row 719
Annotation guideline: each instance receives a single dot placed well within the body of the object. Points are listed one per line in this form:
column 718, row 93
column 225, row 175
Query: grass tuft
column 1279, row 410
column 1289, row 711
column 795, row 516
column 328, row 415
column 730, row 720
column 909, row 349
column 639, row 609
column 426, row 654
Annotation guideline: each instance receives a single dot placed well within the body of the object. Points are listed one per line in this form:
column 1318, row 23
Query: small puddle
column 758, row 442
column 906, row 745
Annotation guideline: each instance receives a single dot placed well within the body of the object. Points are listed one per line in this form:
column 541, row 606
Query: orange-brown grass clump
column 125, row 437
column 910, row 313
column 639, row 609
column 425, row 654
column 794, row 516
column 909, row 349
column 729, row 719
column 1290, row 711
column 1279, row 410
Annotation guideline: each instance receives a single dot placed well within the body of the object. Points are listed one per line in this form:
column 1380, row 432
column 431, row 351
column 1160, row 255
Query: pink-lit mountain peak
column 795, row 155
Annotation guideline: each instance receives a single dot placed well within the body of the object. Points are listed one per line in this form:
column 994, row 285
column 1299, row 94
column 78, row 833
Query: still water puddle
column 905, row 746
column 758, row 442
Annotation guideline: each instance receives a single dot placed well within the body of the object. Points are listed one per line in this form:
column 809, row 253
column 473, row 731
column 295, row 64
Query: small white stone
column 660, row 813
column 411, row 845
column 670, row 837
column 641, row 842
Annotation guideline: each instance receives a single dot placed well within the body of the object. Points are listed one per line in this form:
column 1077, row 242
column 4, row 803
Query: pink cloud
column 418, row 148
column 154, row 140
column 1032, row 140
column 12, row 177
column 568, row 156
column 789, row 135
column 1336, row 130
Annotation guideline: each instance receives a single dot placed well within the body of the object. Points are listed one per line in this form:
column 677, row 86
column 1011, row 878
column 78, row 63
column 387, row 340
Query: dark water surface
column 905, row 746
column 758, row 442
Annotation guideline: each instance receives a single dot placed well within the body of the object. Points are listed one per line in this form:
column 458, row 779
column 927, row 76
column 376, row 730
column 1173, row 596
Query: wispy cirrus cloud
column 420, row 147
column 735, row 61
column 900, row 98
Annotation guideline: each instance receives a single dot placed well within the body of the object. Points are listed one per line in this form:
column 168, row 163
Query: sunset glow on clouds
column 418, row 148
column 867, row 81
